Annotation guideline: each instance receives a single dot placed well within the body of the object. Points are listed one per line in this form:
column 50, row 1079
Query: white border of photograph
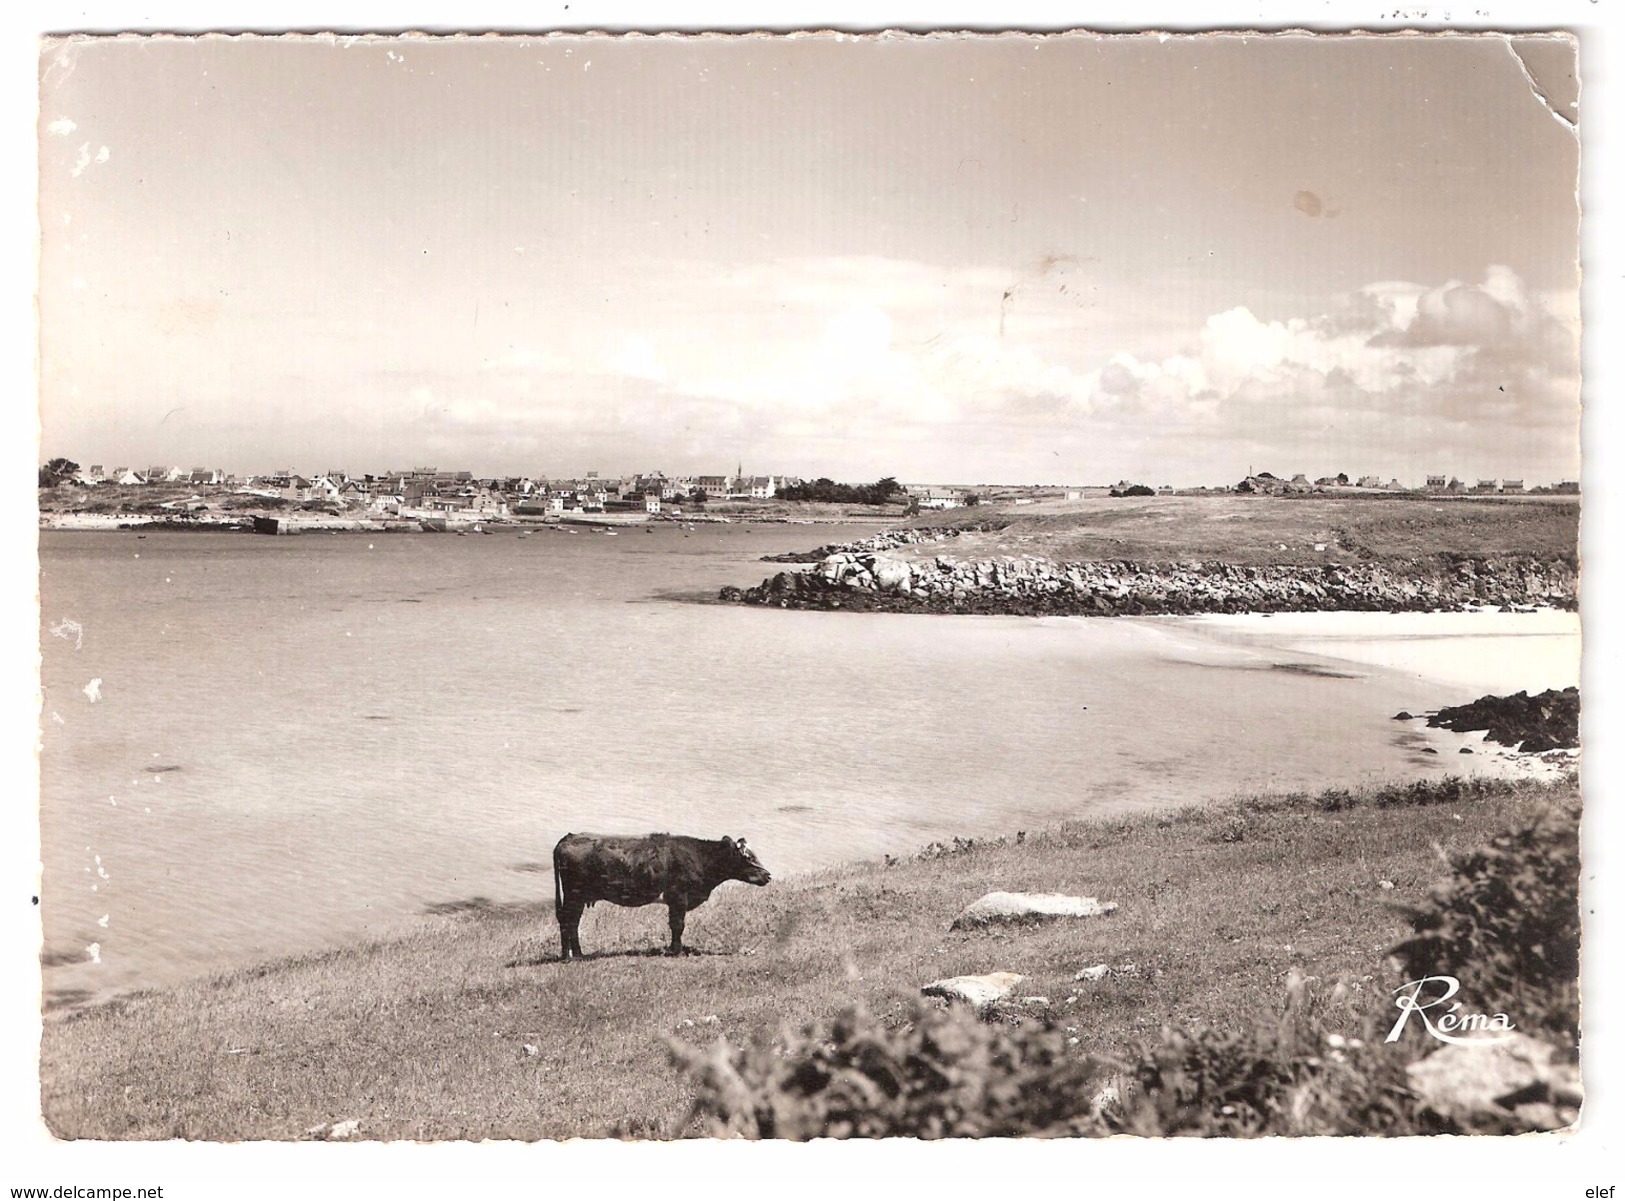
column 1562, row 1166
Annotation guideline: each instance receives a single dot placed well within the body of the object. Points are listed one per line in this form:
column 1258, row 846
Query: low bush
column 943, row 1074
column 1290, row 1077
column 940, row 1074
column 1507, row 925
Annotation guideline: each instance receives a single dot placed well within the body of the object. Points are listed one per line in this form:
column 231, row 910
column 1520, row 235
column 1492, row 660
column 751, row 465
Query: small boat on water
column 609, row 533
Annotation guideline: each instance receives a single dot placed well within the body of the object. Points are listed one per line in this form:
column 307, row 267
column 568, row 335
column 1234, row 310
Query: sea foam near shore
column 1479, row 652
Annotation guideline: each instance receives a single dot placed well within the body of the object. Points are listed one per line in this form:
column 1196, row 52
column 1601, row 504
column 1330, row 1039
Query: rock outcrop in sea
column 1547, row 721
column 862, row 577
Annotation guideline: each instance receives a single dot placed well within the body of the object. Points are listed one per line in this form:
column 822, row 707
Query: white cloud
column 1485, row 370
column 901, row 349
column 862, row 364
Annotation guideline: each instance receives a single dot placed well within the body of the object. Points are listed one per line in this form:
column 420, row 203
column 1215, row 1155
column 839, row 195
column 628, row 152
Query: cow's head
column 746, row 866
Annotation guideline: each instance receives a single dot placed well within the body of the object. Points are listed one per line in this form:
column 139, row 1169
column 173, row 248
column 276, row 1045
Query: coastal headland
column 1201, row 555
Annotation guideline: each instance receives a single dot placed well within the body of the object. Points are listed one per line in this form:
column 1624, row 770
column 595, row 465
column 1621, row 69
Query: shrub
column 1450, row 790
column 1289, row 1078
column 1507, row 925
column 941, row 1074
column 1335, row 800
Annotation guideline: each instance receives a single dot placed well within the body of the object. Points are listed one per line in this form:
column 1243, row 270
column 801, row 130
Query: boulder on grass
column 1023, row 908
column 975, row 990
column 1510, row 1083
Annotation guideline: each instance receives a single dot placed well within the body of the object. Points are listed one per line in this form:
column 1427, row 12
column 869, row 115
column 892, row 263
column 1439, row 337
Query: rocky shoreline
column 860, row 576
column 1545, row 722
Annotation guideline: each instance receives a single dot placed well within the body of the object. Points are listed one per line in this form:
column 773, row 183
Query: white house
column 323, row 488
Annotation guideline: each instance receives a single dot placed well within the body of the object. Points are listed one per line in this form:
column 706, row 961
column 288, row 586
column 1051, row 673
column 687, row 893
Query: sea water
column 257, row 746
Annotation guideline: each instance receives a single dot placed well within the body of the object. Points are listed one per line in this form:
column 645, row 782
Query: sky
column 1018, row 259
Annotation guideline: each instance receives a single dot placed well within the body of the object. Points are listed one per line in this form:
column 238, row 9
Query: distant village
column 430, row 491
column 1438, row 484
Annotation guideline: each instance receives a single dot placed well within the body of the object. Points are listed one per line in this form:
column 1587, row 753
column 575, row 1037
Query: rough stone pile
column 885, row 540
column 865, row 579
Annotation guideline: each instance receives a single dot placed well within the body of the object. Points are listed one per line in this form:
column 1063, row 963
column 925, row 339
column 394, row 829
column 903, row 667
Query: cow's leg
column 570, row 929
column 677, row 914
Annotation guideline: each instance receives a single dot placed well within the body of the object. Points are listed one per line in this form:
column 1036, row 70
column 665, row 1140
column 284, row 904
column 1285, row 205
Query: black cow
column 682, row 872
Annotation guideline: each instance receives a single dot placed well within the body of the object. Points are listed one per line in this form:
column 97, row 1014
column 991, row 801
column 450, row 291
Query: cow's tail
column 558, row 881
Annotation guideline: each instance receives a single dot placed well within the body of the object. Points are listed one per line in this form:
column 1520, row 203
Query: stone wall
column 868, row 580
column 885, row 540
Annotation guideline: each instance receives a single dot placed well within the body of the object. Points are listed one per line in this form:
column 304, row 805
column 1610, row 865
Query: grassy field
column 1261, row 530
column 470, row 1028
